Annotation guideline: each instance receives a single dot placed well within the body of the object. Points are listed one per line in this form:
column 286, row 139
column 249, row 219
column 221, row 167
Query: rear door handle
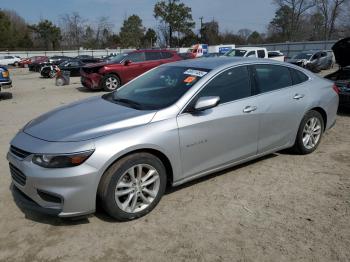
column 298, row 96
column 249, row 109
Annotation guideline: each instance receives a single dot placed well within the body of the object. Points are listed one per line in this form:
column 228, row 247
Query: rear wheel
column 110, row 82
column 132, row 186
column 309, row 133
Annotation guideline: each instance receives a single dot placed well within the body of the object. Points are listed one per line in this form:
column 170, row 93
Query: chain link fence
column 289, row 49
column 71, row 53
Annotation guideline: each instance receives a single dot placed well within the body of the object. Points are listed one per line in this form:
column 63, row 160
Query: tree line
column 294, row 20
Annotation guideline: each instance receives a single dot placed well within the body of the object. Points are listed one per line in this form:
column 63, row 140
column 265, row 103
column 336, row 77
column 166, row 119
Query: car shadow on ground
column 5, row 96
column 83, row 89
column 100, row 214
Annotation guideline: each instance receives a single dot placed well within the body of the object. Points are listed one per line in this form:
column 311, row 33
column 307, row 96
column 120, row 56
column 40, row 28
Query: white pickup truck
column 259, row 52
column 249, row 51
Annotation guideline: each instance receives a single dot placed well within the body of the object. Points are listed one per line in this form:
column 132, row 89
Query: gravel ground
column 280, row 208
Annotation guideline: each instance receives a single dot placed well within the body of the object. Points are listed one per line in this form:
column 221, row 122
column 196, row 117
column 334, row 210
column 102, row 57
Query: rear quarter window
column 297, row 76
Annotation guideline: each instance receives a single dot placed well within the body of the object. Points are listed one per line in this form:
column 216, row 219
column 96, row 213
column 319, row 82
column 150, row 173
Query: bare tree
column 244, row 33
column 298, row 8
column 344, row 24
column 330, row 10
column 103, row 30
column 73, row 28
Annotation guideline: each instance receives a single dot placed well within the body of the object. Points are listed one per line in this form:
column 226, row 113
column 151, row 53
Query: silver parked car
column 177, row 122
column 315, row 61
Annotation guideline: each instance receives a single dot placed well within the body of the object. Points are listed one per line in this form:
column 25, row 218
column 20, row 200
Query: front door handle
column 298, row 96
column 249, row 109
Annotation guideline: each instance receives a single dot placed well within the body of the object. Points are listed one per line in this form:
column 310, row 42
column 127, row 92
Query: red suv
column 120, row 69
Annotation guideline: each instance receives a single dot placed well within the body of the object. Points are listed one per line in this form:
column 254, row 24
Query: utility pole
column 200, row 30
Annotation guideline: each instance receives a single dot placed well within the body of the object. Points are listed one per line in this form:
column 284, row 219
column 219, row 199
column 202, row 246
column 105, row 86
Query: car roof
column 152, row 50
column 248, row 48
column 222, row 61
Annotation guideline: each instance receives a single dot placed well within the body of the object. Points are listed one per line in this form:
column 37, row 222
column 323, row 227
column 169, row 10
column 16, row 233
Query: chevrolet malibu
column 175, row 123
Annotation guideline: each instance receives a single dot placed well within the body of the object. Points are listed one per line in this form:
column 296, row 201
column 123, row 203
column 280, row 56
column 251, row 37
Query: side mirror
column 207, row 102
column 127, row 62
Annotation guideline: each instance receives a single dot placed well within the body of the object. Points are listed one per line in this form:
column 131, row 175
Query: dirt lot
column 280, row 208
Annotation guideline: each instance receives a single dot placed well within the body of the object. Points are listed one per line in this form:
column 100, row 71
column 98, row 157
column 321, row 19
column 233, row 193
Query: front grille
column 19, row 152
column 17, row 175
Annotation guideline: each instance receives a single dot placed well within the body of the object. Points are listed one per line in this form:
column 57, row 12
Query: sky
column 232, row 15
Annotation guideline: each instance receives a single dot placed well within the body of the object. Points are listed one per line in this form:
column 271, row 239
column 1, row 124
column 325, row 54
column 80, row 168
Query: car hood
column 341, row 50
column 86, row 119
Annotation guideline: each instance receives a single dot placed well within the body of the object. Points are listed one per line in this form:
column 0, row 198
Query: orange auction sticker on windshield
column 190, row 79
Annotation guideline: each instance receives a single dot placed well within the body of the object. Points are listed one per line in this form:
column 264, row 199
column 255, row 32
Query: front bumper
column 91, row 81
column 24, row 201
column 75, row 188
column 5, row 84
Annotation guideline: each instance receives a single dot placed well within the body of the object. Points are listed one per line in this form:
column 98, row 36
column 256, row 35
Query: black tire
column 108, row 183
column 108, row 88
column 299, row 146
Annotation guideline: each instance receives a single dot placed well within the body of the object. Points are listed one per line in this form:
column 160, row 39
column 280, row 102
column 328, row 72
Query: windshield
column 236, row 52
column 158, row 88
column 117, row 58
column 303, row 56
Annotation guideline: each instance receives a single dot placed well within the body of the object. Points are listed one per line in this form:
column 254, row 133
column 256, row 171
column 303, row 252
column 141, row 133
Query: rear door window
column 153, row 56
column 261, row 53
column 272, row 77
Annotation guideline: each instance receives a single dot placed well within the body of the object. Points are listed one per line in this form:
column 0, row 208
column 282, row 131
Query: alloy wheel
column 112, row 83
column 137, row 188
column 312, row 133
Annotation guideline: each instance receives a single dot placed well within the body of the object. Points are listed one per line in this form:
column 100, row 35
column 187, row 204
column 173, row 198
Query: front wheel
column 132, row 186
column 309, row 133
column 110, row 83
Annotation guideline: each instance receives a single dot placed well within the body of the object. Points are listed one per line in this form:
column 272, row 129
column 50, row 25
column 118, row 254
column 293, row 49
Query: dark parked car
column 49, row 71
column 56, row 60
column 315, row 61
column 341, row 78
column 120, row 69
column 52, row 61
column 5, row 81
column 72, row 65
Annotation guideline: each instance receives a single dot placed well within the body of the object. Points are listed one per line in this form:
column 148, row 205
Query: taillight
column 336, row 89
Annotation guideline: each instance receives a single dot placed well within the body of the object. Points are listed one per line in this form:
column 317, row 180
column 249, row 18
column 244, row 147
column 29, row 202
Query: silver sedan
column 175, row 123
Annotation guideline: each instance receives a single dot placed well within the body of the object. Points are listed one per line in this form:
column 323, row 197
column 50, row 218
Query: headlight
column 5, row 74
column 61, row 160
